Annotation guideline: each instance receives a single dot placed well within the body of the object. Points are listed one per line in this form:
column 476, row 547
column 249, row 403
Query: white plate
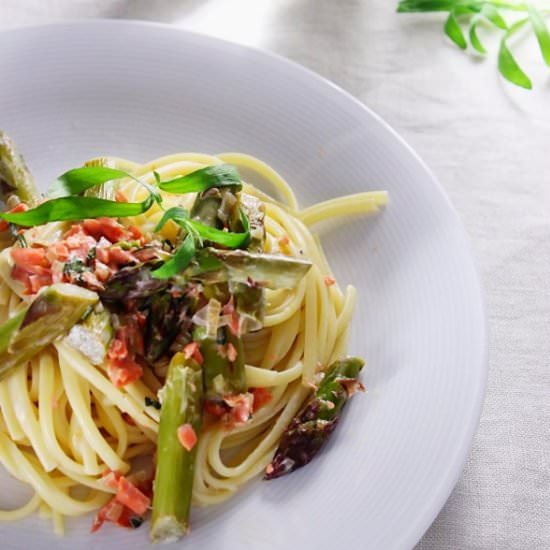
column 73, row 91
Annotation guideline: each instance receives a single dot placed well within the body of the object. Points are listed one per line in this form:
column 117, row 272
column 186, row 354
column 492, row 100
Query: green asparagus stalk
column 246, row 275
column 239, row 266
column 133, row 283
column 53, row 313
column 222, row 376
column 312, row 426
column 218, row 208
column 205, row 209
column 181, row 400
column 15, row 178
column 250, row 305
column 268, row 270
column 162, row 325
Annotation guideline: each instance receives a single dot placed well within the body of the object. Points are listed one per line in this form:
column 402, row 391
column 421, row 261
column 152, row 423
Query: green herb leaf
column 19, row 238
column 76, row 181
column 434, row 5
column 175, row 214
column 152, row 403
column 225, row 238
column 491, row 13
column 76, row 208
column 454, row 32
column 474, row 39
column 228, row 239
column 507, row 65
column 91, row 254
column 73, row 267
column 541, row 32
column 179, row 261
column 476, row 6
column 136, row 521
column 199, row 231
column 220, row 175
column 153, row 191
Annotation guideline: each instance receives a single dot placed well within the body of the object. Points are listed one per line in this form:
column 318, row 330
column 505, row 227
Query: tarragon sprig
column 196, row 234
column 474, row 12
column 67, row 203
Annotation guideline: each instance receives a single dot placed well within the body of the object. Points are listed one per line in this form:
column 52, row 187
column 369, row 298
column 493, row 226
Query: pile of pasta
column 63, row 423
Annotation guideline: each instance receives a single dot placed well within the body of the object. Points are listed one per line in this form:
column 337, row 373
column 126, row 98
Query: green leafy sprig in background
column 474, row 12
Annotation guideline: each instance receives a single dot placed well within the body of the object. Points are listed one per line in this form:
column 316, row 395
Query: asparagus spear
column 52, row 313
column 205, row 208
column 162, row 325
column 250, row 305
column 169, row 317
column 312, row 426
column 223, row 208
column 181, row 405
column 216, row 206
column 133, row 283
column 240, row 266
column 246, row 275
column 15, row 177
column 267, row 270
column 222, row 376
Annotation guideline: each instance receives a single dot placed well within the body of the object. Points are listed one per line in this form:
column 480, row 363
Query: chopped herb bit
column 19, row 237
column 221, row 337
column 128, row 245
column 91, row 254
column 152, row 403
column 75, row 266
column 136, row 521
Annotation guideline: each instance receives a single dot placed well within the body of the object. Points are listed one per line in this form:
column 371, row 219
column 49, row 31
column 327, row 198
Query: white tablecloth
column 489, row 145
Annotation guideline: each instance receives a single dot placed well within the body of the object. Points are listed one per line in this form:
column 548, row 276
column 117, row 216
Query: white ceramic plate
column 73, row 91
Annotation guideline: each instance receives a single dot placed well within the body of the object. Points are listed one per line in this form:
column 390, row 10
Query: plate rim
column 441, row 493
